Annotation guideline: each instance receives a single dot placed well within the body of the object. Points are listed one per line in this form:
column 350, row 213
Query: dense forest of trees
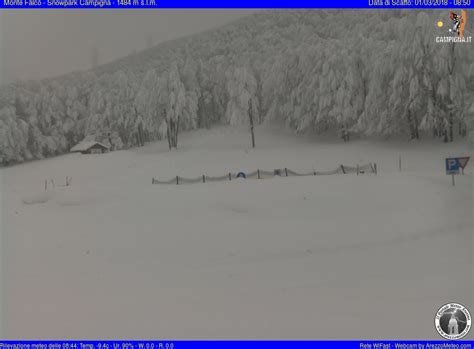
column 373, row 73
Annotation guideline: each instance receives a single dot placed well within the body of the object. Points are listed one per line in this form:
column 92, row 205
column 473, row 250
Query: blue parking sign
column 452, row 166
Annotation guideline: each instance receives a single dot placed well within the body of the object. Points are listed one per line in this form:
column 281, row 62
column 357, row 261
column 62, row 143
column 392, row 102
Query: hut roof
column 85, row 145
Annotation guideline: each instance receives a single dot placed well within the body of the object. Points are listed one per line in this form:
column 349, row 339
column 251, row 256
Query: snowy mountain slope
column 340, row 256
column 367, row 72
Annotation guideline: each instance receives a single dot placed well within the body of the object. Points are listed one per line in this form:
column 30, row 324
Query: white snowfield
column 325, row 257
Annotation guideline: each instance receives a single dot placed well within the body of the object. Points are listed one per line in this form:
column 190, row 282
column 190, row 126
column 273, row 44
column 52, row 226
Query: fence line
column 262, row 174
column 67, row 183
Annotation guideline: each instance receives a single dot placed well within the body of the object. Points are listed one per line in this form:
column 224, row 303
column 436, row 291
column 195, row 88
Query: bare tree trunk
column 410, row 124
column 253, row 134
column 140, row 134
column 168, row 132
column 110, row 141
column 172, row 134
column 415, row 127
column 451, row 127
column 462, row 129
column 176, row 133
column 251, row 123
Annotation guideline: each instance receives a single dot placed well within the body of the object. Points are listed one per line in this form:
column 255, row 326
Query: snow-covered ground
column 341, row 256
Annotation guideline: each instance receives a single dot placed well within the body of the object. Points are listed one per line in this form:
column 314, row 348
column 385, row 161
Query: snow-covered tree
column 375, row 74
column 173, row 99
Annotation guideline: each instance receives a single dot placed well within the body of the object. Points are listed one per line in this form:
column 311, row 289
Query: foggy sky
column 45, row 43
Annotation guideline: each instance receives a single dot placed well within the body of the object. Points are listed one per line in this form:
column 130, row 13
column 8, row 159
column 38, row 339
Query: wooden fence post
column 204, row 178
column 357, row 169
column 177, row 180
column 343, row 170
column 258, row 173
column 286, row 171
column 375, row 168
column 230, row 176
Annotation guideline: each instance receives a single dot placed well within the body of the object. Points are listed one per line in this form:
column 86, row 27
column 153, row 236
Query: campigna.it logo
column 456, row 32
